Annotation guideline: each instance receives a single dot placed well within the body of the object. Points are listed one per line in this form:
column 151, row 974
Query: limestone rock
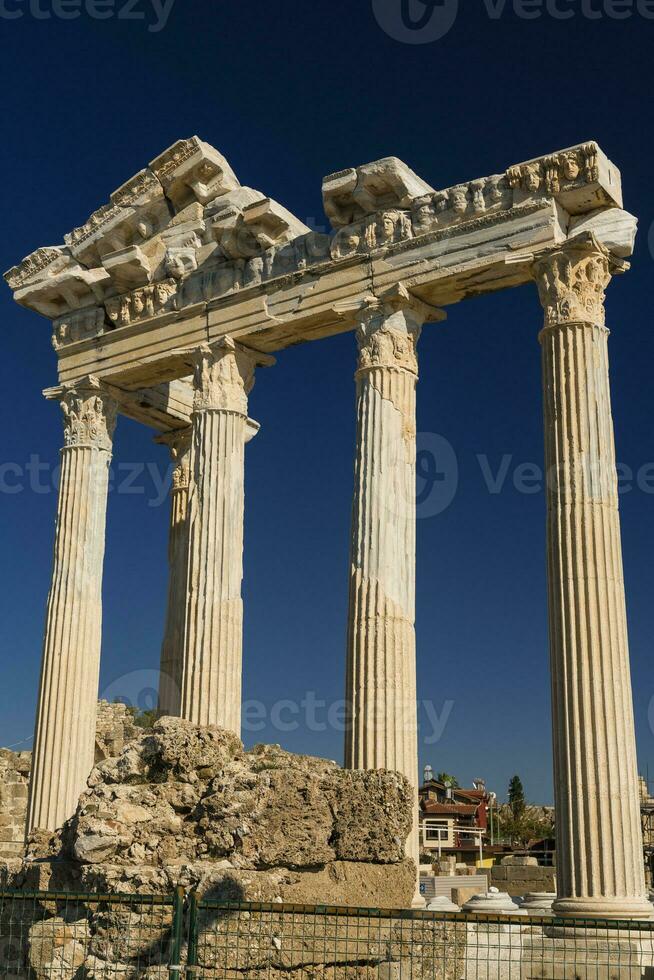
column 57, row 948
column 187, row 805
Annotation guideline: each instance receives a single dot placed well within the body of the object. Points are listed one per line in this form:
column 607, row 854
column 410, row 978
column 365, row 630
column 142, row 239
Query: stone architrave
column 171, row 671
column 64, row 738
column 213, row 634
column 599, row 843
column 381, row 647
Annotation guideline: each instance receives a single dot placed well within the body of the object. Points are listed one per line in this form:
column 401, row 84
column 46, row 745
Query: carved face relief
column 571, row 168
column 124, row 314
column 162, row 293
column 424, row 219
column 532, row 179
column 478, row 200
column 459, row 199
column 387, row 229
column 440, row 202
column 346, row 243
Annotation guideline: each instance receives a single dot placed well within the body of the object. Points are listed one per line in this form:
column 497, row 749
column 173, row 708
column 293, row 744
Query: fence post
column 175, row 966
column 192, row 963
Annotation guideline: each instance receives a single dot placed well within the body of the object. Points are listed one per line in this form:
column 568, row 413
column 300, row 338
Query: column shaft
column 213, row 640
column 172, row 649
column 599, row 845
column 381, row 654
column 64, row 737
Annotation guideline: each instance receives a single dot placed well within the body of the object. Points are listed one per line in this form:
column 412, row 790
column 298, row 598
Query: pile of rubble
column 187, row 805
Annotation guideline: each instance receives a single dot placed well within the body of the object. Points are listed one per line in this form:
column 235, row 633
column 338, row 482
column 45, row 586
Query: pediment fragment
column 193, row 170
column 352, row 194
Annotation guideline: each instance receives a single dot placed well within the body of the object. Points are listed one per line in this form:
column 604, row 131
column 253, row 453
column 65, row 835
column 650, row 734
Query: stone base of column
column 567, row 954
column 604, row 908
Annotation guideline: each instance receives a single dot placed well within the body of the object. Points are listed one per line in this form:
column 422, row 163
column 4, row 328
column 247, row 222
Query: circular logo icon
column 416, row 21
column 437, row 474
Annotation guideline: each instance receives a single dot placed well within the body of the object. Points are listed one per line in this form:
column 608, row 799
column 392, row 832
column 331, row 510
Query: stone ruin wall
column 115, row 727
column 185, row 804
column 521, row 875
column 14, row 779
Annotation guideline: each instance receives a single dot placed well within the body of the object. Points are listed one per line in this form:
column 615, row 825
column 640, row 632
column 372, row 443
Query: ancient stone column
column 213, row 635
column 599, row 845
column 64, row 736
column 381, row 648
column 172, row 649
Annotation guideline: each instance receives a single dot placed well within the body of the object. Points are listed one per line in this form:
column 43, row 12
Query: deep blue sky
column 291, row 91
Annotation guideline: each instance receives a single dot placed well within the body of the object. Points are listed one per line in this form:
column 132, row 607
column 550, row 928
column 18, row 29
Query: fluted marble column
column 213, row 635
column 64, row 739
column 172, row 649
column 381, row 648
column 598, row 830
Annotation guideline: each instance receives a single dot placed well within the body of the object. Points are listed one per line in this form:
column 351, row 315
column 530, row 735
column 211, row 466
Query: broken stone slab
column 615, row 229
column 186, row 803
column 192, row 170
column 350, row 195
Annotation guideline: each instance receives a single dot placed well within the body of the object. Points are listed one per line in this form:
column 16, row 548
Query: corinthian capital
column 224, row 375
column 179, row 444
column 89, row 414
column 384, row 344
column 572, row 282
column 389, row 330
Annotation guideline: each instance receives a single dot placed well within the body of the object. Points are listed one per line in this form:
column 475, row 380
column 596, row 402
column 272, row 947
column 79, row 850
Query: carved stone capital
column 179, row 444
column 223, row 377
column 389, row 330
column 572, row 282
column 386, row 342
column 89, row 414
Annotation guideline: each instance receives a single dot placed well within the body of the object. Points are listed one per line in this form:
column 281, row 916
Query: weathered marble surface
column 182, row 254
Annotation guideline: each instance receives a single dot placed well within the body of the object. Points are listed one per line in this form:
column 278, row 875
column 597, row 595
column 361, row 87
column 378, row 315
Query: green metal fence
column 61, row 936
column 56, row 936
column 231, row 941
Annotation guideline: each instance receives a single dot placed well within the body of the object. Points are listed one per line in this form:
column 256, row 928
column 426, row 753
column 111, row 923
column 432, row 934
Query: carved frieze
column 461, row 203
column 551, row 173
column 34, row 264
column 572, row 282
column 167, row 162
column 78, row 326
column 377, row 231
column 184, row 231
column 142, row 303
column 350, row 195
column 140, row 191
